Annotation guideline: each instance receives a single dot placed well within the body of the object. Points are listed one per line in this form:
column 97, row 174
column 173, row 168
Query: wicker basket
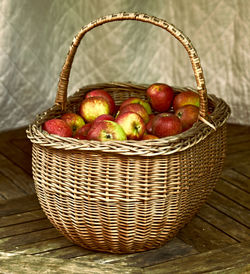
column 127, row 196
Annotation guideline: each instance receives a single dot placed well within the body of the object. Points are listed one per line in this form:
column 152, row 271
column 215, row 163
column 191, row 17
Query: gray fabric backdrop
column 35, row 36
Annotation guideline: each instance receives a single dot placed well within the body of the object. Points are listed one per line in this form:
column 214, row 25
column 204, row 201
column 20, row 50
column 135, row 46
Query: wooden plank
column 16, row 175
column 234, row 270
column 18, row 157
column 171, row 250
column 230, row 208
column 13, row 134
column 8, row 189
column 237, row 130
column 234, row 193
column 229, row 258
column 23, row 144
column 243, row 167
column 238, row 147
column 22, row 218
column 10, row 243
column 224, row 223
column 11, row 263
column 231, row 140
column 19, row 205
column 235, row 159
column 2, row 198
column 203, row 236
column 235, row 178
column 66, row 252
column 24, row 228
column 42, row 246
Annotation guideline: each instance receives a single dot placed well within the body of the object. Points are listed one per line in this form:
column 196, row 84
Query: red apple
column 132, row 124
column 160, row 96
column 186, row 98
column 58, row 127
column 166, row 124
column 149, row 123
column 104, row 117
column 188, row 115
column 105, row 95
column 137, row 108
column 93, row 107
column 149, row 137
column 135, row 100
column 106, row 130
column 82, row 133
column 74, row 120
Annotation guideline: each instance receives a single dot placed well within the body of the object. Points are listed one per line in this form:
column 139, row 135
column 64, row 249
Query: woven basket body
column 128, row 196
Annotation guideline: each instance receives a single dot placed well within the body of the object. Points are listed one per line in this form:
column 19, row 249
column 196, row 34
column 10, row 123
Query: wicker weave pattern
column 127, row 196
column 125, row 204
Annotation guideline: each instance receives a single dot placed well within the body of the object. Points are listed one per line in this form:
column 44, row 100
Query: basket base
column 125, row 250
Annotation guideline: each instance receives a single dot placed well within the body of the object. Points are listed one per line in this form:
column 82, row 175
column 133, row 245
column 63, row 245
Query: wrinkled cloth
column 35, row 37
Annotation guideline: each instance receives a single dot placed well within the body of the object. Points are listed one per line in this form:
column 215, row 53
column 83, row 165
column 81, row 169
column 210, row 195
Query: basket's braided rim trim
column 162, row 146
column 61, row 96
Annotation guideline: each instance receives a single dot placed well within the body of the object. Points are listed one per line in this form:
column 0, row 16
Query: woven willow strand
column 61, row 96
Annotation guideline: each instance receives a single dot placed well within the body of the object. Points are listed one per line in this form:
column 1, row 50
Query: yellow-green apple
column 106, row 130
column 166, row 124
column 149, row 137
column 104, row 117
column 93, row 107
column 135, row 100
column 186, row 98
column 132, row 124
column 105, row 95
column 188, row 115
column 137, row 108
column 160, row 96
column 74, row 120
column 82, row 133
column 149, row 123
column 57, row 127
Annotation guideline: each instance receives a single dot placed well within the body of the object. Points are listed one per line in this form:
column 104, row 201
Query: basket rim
column 154, row 147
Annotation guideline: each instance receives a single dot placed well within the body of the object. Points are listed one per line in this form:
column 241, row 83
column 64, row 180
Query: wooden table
column 217, row 240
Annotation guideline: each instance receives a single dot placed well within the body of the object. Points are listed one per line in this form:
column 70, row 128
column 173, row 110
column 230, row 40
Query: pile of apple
column 163, row 114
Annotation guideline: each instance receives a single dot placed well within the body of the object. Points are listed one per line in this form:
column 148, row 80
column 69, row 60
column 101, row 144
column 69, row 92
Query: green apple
column 93, row 107
column 132, row 124
column 105, row 95
column 106, row 130
column 74, row 120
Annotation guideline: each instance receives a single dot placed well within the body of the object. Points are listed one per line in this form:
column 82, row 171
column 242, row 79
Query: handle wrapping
column 61, row 97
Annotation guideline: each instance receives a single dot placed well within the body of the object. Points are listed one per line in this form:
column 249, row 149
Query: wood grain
column 11, row 263
column 173, row 249
column 229, row 258
column 19, row 205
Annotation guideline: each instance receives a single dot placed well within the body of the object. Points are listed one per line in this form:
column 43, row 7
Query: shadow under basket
column 126, row 196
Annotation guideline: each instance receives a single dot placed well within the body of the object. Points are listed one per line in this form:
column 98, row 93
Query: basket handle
column 61, row 96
